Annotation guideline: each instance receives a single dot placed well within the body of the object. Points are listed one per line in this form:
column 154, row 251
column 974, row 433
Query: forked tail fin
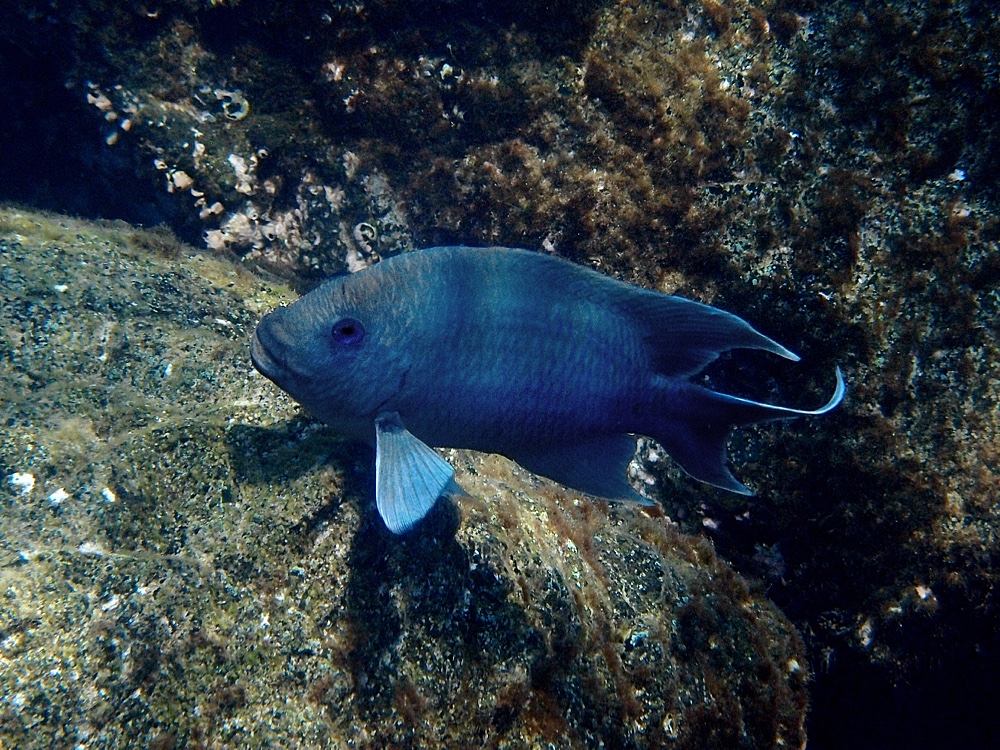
column 699, row 421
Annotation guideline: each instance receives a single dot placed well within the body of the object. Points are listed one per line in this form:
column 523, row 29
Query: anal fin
column 598, row 466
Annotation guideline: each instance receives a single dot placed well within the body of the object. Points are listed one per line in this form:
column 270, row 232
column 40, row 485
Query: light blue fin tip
column 409, row 475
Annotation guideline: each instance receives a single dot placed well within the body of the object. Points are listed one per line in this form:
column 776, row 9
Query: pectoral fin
column 409, row 475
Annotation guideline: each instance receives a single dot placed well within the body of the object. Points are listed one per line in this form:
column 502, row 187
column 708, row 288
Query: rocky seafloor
column 186, row 561
column 826, row 170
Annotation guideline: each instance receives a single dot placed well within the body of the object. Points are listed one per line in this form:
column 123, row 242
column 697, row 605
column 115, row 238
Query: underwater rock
column 827, row 170
column 193, row 562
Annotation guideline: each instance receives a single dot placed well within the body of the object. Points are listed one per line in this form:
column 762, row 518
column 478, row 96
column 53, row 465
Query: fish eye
column 348, row 331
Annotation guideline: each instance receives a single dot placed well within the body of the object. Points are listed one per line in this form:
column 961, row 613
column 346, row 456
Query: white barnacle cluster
column 292, row 235
column 246, row 181
column 360, row 253
column 351, row 163
column 24, row 482
column 388, row 213
column 271, row 233
column 207, row 107
column 431, row 67
column 232, row 103
column 179, row 180
column 333, row 71
column 866, row 632
column 59, row 496
column 365, row 234
column 450, row 78
column 120, row 116
column 646, row 452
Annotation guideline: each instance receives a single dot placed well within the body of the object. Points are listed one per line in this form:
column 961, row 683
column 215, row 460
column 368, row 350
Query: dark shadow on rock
column 281, row 453
column 426, row 602
column 287, row 450
column 454, row 604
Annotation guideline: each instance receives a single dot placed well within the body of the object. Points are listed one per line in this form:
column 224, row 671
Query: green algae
column 212, row 571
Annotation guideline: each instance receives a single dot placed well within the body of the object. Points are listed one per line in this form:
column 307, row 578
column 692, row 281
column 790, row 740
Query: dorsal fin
column 685, row 336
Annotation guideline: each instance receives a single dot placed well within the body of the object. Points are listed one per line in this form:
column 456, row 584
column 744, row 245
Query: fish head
column 337, row 351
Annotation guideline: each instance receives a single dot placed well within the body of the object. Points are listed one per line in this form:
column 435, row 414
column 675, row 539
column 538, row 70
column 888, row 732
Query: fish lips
column 261, row 358
column 265, row 353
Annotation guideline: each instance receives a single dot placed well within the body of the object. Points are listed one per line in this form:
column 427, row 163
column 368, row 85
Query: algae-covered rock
column 185, row 559
column 827, row 170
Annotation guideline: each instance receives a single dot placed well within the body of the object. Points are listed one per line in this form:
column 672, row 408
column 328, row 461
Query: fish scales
column 512, row 370
column 502, row 350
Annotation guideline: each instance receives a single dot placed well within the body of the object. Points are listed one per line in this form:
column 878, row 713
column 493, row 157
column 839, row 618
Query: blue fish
column 507, row 351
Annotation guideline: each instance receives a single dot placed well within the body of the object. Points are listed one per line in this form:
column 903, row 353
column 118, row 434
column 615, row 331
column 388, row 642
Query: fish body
column 512, row 352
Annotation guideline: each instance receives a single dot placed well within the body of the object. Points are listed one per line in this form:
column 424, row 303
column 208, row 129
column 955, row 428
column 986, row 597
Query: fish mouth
column 266, row 355
column 263, row 361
